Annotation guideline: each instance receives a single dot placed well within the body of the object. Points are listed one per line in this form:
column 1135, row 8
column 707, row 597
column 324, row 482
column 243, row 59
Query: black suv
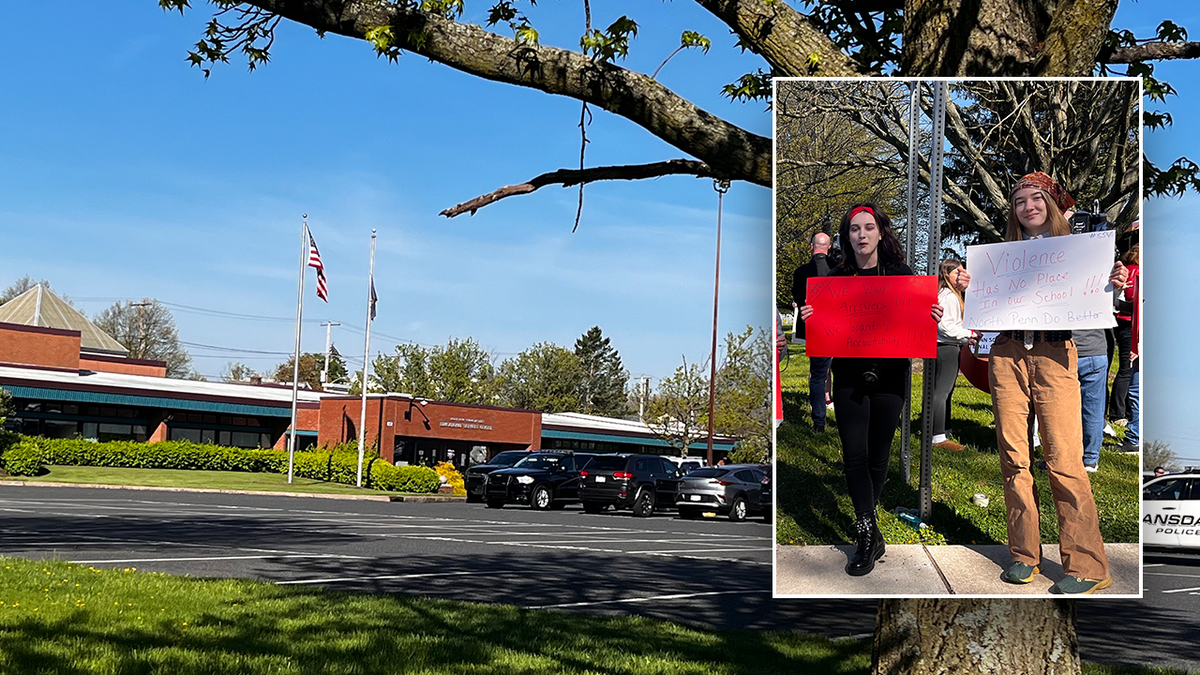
column 543, row 480
column 477, row 475
column 641, row 483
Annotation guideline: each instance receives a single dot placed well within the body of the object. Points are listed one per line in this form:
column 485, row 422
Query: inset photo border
column 1016, row 322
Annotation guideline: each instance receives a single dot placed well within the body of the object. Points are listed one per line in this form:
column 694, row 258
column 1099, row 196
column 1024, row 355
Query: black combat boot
column 870, row 545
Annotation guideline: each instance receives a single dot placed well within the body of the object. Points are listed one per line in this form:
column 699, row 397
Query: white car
column 1171, row 511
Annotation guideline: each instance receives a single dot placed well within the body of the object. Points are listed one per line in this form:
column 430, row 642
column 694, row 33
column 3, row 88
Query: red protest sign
column 877, row 317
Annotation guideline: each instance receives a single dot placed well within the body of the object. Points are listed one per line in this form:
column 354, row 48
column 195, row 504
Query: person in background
column 868, row 393
column 951, row 336
column 1159, row 471
column 1118, row 406
column 1036, row 372
column 818, row 366
column 1128, row 339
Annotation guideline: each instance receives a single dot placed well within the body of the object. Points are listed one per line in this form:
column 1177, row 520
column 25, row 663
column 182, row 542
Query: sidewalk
column 915, row 569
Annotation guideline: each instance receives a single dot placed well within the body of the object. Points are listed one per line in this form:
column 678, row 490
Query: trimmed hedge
column 28, row 455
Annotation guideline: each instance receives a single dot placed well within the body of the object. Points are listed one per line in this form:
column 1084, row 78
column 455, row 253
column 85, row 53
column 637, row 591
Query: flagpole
column 296, row 355
column 362, row 416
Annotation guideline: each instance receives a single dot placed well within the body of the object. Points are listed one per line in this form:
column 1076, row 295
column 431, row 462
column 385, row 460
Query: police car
column 1171, row 511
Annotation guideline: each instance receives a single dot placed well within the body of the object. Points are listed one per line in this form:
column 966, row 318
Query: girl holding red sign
column 868, row 394
column 1035, row 372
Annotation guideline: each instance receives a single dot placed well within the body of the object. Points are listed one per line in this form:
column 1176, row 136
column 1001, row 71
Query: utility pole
column 643, row 397
column 328, row 333
column 141, row 326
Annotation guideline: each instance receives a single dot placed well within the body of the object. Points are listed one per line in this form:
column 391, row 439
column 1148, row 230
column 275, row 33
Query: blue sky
column 123, row 173
column 1171, row 372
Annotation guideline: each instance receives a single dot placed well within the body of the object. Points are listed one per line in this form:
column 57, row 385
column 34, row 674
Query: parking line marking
column 711, row 550
column 676, row 596
column 1182, row 590
column 218, row 557
column 387, row 577
column 1160, row 574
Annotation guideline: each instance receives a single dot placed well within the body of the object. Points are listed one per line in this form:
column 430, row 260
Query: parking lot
column 712, row 572
column 708, row 572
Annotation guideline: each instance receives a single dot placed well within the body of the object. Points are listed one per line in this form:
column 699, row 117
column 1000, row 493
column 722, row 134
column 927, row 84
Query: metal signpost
column 936, row 158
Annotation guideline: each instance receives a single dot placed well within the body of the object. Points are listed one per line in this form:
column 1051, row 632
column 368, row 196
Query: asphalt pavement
column 711, row 573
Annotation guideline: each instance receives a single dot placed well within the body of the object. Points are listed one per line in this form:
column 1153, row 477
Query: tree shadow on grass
column 221, row 626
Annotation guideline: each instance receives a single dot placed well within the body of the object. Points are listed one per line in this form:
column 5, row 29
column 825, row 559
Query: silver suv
column 736, row 490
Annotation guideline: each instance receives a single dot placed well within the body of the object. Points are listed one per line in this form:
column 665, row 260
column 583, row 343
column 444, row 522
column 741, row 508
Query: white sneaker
column 1091, row 468
column 1108, row 430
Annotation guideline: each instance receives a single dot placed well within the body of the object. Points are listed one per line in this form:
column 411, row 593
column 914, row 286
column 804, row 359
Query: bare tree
column 147, row 330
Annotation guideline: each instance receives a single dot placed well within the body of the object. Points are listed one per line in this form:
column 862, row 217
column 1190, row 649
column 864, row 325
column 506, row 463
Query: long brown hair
column 1132, row 255
column 1058, row 223
column 944, row 281
column 890, row 251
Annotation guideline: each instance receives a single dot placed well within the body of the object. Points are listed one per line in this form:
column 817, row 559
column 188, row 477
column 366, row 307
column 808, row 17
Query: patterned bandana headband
column 1045, row 183
column 861, row 209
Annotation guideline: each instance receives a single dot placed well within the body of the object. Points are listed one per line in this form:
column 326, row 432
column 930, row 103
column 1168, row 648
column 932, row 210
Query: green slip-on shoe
column 1080, row 586
column 1019, row 573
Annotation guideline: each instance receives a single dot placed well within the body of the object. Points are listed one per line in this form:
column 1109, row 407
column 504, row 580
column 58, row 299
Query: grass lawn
column 221, row 480
column 814, row 507
column 61, row 618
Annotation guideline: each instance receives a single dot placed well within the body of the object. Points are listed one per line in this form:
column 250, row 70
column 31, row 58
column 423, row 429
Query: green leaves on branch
column 447, row 9
column 1182, row 176
column 690, row 39
column 750, row 87
column 252, row 32
column 384, row 41
column 612, row 43
column 505, row 11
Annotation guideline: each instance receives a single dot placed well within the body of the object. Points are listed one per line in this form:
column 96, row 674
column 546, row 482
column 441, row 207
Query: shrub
column 28, row 455
column 453, row 478
column 24, row 458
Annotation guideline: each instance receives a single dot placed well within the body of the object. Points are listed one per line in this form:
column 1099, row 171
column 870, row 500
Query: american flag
column 314, row 260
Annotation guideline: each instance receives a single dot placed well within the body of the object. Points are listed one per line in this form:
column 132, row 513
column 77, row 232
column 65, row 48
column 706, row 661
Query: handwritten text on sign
column 879, row 317
column 1055, row 283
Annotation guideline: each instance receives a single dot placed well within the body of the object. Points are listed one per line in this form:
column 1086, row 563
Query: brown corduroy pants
column 1044, row 381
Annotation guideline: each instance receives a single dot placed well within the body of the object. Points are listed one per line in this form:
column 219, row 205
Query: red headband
column 1045, row 183
column 859, row 209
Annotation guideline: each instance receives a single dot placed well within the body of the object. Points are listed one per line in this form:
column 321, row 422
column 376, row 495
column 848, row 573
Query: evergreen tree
column 602, row 391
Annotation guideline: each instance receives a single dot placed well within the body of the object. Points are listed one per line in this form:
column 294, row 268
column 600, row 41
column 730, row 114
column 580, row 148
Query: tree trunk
column 973, row 37
column 969, row 637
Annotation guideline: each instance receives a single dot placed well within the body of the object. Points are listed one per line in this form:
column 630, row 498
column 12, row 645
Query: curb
column 267, row 493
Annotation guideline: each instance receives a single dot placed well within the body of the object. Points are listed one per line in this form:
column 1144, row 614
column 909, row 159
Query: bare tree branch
column 1153, row 51
column 569, row 177
column 730, row 150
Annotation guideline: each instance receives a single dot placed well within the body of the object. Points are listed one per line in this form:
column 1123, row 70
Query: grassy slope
column 69, row 619
column 814, row 507
column 221, row 480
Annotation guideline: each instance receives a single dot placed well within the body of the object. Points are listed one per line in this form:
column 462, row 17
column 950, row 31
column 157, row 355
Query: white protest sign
column 1053, row 283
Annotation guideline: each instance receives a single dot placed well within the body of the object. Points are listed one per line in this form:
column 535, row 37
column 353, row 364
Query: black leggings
column 867, row 416
column 945, row 376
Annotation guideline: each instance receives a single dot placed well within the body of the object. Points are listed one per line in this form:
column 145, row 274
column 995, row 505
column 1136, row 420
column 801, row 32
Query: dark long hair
column 890, row 251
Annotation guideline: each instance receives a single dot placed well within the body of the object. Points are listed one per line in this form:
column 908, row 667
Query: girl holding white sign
column 868, row 394
column 1036, row 371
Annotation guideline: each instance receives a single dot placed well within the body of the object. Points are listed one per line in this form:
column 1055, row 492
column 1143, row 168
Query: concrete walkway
column 915, row 569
